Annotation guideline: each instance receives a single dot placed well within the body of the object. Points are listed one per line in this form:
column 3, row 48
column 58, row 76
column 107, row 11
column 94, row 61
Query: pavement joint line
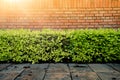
column 46, row 71
column 95, row 72
column 69, row 71
column 113, row 67
column 19, row 74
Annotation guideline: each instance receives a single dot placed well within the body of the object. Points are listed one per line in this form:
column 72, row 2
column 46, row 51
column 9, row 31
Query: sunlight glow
column 17, row 2
column 15, row 7
column 14, row 4
column 14, row 1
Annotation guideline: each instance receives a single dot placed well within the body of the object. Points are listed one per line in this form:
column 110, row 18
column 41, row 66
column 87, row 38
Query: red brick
column 101, row 12
column 81, row 15
column 85, row 23
column 107, row 20
column 118, row 8
column 94, row 11
column 112, row 23
column 63, row 20
column 118, row 23
column 75, row 24
column 66, row 24
column 107, row 14
column 1, row 26
column 116, row 15
column 81, row 21
column 103, row 23
column 94, row 23
column 98, row 14
column 57, row 24
column 3, row 20
column 90, row 15
column 118, row 11
column 108, row 8
column 112, row 11
column 81, row 18
column 89, row 20
column 99, row 9
column 80, row 26
column 98, row 21
column 63, row 27
column 74, row 20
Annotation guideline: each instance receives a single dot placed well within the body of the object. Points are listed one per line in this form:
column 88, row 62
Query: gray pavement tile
column 8, row 76
column 58, row 68
column 85, row 76
column 115, row 66
column 109, row 75
column 58, row 79
column 12, row 71
column 74, row 68
column 101, row 68
column 57, row 76
column 34, row 72
column 39, row 67
column 31, row 75
column 15, row 68
column 3, row 66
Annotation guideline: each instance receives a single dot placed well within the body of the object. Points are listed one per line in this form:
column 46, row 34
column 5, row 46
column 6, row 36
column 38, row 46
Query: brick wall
column 60, row 14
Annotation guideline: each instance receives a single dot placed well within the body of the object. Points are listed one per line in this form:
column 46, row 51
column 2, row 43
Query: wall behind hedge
column 60, row 14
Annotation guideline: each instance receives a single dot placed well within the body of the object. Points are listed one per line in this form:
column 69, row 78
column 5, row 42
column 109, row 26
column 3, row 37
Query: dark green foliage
column 102, row 45
column 95, row 45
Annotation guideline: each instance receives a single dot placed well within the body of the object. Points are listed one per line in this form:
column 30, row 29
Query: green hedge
column 102, row 45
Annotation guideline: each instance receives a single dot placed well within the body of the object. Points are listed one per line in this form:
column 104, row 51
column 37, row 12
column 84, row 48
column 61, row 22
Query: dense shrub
column 95, row 45
column 102, row 45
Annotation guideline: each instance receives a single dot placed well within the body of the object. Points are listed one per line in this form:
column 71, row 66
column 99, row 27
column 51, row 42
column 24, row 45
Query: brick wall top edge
column 61, row 4
column 31, row 10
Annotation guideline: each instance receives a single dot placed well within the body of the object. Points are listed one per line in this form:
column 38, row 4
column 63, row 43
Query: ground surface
column 60, row 71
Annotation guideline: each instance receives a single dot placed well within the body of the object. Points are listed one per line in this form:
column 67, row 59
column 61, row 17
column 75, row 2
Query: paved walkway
column 60, row 71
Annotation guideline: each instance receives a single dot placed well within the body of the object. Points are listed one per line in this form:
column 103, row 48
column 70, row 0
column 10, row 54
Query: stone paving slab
column 15, row 68
column 101, row 68
column 58, row 68
column 115, row 66
column 33, row 72
column 85, row 76
column 109, row 75
column 31, row 75
column 8, row 76
column 12, row 71
column 57, row 76
column 79, row 68
column 2, row 66
column 60, row 71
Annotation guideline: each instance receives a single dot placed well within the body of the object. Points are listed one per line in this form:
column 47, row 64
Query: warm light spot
column 15, row 4
column 13, row 1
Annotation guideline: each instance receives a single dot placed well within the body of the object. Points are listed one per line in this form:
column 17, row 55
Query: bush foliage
column 102, row 45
